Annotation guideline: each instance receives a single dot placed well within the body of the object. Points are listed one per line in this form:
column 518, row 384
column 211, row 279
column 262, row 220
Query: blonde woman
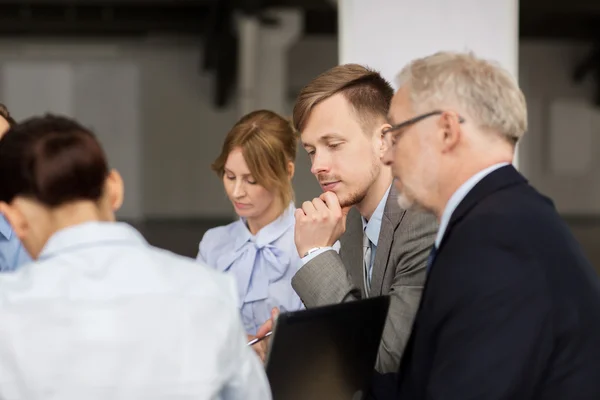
column 256, row 165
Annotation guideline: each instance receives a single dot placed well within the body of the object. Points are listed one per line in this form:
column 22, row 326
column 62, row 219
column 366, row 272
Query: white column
column 275, row 41
column 249, row 36
column 263, row 69
column 387, row 34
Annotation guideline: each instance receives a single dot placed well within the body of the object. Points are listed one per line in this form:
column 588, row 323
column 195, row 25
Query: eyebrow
column 325, row 138
column 228, row 171
column 330, row 136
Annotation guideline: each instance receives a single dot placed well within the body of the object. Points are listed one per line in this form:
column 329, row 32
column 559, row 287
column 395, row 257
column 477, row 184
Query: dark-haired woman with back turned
column 256, row 165
column 101, row 314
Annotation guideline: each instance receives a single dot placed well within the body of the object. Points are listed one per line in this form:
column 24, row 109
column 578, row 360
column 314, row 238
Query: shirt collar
column 373, row 226
column 5, row 229
column 459, row 195
column 90, row 234
column 267, row 234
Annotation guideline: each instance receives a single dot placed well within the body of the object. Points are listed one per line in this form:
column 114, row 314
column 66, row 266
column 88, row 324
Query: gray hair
column 481, row 88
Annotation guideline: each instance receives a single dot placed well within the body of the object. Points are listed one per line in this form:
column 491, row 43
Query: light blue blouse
column 263, row 265
column 12, row 253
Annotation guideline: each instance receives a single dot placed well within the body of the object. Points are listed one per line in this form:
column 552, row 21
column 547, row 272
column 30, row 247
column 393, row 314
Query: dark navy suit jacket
column 510, row 309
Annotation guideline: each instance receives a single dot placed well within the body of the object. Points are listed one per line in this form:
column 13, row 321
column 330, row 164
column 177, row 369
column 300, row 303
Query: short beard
column 354, row 199
column 358, row 196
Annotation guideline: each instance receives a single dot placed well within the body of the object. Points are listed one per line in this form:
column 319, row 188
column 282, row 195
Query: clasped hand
column 319, row 223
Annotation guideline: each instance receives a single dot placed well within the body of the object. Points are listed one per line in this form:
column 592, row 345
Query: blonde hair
column 483, row 89
column 268, row 143
column 366, row 90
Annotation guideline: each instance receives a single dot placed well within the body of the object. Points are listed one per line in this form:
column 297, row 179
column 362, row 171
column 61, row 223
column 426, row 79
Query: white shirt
column 103, row 315
column 458, row 196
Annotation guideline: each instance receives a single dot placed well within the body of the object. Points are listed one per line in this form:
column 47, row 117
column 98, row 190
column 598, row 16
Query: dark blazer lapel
column 392, row 215
column 497, row 180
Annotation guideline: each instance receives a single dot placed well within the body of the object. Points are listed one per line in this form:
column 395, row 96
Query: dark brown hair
column 366, row 90
column 6, row 115
column 53, row 160
column 268, row 144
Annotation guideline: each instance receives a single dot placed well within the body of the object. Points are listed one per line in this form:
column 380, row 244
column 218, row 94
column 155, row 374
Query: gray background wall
column 151, row 105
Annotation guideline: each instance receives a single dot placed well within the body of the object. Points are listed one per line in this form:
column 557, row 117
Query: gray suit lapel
column 351, row 249
column 392, row 215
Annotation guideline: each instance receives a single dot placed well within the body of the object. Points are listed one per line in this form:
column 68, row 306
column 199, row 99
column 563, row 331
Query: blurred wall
column 150, row 104
column 560, row 151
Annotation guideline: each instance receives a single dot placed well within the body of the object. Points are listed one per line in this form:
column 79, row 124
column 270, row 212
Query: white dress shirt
column 103, row 315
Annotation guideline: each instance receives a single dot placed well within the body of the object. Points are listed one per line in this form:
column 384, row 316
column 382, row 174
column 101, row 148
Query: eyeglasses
column 391, row 139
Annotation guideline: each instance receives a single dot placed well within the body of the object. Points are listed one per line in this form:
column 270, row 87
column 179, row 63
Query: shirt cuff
column 306, row 259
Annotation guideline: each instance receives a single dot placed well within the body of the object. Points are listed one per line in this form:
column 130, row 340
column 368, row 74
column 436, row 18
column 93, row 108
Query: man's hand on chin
column 319, row 223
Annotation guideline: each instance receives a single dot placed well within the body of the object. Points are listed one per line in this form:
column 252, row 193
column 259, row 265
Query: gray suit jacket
column 399, row 269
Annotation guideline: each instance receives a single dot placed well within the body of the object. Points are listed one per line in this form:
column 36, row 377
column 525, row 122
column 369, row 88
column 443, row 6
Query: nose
column 239, row 190
column 320, row 164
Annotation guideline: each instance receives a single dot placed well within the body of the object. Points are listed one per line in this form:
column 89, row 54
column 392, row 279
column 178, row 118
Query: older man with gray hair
column 511, row 307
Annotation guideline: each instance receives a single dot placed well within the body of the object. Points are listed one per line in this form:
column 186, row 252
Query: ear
column 15, row 218
column 382, row 146
column 291, row 168
column 116, row 189
column 451, row 131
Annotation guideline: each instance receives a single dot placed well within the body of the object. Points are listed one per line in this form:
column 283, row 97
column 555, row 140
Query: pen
column 256, row 340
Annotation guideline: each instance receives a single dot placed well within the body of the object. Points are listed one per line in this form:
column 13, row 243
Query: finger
column 320, row 206
column 275, row 313
column 265, row 328
column 260, row 351
column 309, row 208
column 299, row 214
column 332, row 202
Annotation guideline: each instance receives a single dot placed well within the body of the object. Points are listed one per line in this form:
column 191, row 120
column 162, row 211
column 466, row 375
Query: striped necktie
column 366, row 261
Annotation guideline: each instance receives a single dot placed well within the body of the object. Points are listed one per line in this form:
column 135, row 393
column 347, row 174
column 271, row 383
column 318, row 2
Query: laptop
column 327, row 352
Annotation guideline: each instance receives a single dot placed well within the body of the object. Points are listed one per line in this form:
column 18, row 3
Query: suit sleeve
column 405, row 294
column 493, row 342
column 325, row 280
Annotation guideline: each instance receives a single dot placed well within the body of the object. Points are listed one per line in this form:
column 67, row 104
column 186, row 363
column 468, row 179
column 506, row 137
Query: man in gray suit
column 383, row 249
